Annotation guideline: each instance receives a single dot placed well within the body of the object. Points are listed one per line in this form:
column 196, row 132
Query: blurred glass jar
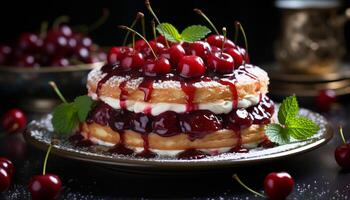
column 312, row 36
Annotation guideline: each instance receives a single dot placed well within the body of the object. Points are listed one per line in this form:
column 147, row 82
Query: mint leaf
column 302, row 128
column 83, row 105
column 194, row 33
column 277, row 134
column 169, row 32
column 288, row 109
column 65, row 118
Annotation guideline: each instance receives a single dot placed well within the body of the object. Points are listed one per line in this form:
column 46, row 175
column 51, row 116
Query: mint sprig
column 190, row 34
column 67, row 115
column 291, row 125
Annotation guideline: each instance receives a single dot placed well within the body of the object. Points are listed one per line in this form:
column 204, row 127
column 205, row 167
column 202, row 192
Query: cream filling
column 173, row 153
column 218, row 107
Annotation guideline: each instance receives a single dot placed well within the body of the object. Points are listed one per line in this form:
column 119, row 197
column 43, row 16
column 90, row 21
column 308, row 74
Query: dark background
column 261, row 19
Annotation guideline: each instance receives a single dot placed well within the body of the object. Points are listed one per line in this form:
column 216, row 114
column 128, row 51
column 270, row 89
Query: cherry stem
column 99, row 22
column 138, row 34
column 224, row 32
column 43, row 29
column 236, row 33
column 143, row 26
column 138, row 16
column 235, row 176
column 238, row 24
column 59, row 20
column 58, row 92
column 148, row 5
column 46, row 158
column 133, row 40
column 200, row 12
column 154, row 30
column 342, row 134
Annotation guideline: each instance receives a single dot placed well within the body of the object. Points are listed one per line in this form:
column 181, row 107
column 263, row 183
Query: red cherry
column 14, row 120
column 114, row 54
column 55, row 43
column 217, row 40
column 131, row 60
column 161, row 39
column 29, row 42
column 174, row 53
column 239, row 119
column 65, row 30
column 191, row 67
column 220, row 62
column 139, row 44
column 156, row 67
column 244, row 54
column 199, row 48
column 5, row 52
column 156, row 46
column 5, row 180
column 342, row 155
column 325, row 99
column 60, row 62
column 82, row 53
column 45, row 186
column 236, row 55
column 7, row 165
column 278, row 185
column 27, row 60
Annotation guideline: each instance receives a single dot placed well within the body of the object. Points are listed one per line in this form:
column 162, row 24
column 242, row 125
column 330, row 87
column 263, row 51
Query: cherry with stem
column 224, row 33
column 239, row 25
column 342, row 152
column 58, row 92
column 235, row 176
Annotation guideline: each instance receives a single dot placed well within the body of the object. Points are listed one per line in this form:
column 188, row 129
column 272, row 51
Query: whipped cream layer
column 218, row 107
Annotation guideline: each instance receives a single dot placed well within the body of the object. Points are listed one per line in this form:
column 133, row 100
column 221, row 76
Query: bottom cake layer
column 212, row 144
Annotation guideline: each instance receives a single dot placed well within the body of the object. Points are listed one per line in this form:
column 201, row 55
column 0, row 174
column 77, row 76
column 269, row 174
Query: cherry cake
column 187, row 100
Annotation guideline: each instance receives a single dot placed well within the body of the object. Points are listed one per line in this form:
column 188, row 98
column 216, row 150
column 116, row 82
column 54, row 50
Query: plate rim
column 181, row 164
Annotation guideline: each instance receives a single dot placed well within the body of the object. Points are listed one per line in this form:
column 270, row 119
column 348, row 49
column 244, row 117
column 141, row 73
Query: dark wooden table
column 316, row 174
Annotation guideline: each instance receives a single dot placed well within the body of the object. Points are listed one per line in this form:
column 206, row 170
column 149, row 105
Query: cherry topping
column 166, row 124
column 131, row 60
column 220, row 62
column 14, row 120
column 100, row 114
column 239, row 119
column 120, row 120
column 325, row 99
column 156, row 67
column 7, row 165
column 45, row 186
column 141, row 123
column 140, row 44
column 217, row 40
column 199, row 123
column 115, row 54
column 174, row 53
column 199, row 48
column 278, row 185
column 342, row 152
column 5, row 179
column 191, row 67
column 156, row 46
column 236, row 55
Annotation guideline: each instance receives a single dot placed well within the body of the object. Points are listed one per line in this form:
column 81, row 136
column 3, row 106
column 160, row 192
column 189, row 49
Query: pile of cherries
column 190, row 60
column 60, row 46
column 195, row 124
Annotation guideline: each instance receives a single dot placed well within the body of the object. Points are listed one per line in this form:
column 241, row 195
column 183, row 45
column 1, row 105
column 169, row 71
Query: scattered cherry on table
column 14, row 120
column 278, row 185
column 325, row 99
column 342, row 152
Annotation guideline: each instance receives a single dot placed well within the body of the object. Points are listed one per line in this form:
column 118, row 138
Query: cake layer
column 244, row 83
column 104, row 135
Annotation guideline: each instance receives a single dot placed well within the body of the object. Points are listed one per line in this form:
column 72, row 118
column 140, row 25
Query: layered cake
column 187, row 100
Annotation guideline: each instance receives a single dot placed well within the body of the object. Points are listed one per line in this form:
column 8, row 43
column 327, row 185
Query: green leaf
column 65, row 118
column 83, row 105
column 277, row 134
column 302, row 128
column 194, row 33
column 169, row 32
column 288, row 109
